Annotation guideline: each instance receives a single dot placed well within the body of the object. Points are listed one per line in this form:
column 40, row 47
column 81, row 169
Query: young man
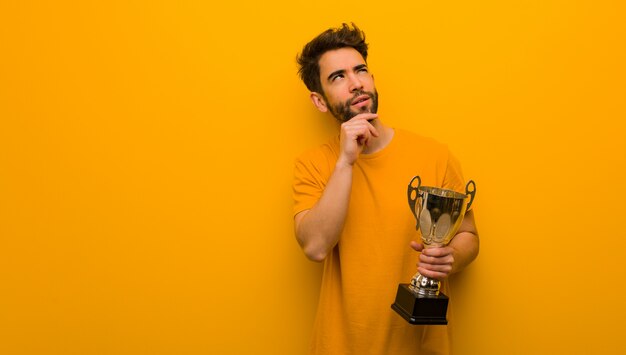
column 351, row 209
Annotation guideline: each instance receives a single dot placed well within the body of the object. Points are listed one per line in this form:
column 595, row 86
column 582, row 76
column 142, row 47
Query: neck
column 385, row 134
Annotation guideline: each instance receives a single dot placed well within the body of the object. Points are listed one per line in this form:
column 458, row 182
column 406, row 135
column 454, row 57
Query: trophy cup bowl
column 439, row 213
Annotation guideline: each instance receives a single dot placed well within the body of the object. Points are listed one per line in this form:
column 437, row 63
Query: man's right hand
column 355, row 135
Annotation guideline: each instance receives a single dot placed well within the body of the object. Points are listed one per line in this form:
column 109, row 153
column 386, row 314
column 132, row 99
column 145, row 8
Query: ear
column 318, row 101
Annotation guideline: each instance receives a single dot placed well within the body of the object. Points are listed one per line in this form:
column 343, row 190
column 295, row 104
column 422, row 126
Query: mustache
column 357, row 94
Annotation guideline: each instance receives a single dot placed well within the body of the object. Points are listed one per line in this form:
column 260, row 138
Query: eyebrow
column 342, row 71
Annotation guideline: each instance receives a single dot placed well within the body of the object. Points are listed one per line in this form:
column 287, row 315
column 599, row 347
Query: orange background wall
column 146, row 153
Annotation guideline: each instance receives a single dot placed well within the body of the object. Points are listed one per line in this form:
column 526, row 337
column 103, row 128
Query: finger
column 443, row 260
column 437, row 275
column 372, row 129
column 435, row 268
column 362, row 136
column 416, row 246
column 360, row 133
column 364, row 116
column 356, row 126
column 438, row 252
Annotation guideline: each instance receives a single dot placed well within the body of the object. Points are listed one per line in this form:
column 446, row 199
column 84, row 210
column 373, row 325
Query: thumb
column 417, row 246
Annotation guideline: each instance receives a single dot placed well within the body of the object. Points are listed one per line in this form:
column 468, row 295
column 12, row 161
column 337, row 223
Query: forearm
column 465, row 247
column 319, row 228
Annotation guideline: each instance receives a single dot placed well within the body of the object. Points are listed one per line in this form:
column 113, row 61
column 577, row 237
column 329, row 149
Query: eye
column 338, row 76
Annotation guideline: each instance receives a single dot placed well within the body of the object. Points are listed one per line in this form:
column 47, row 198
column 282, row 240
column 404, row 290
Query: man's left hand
column 436, row 263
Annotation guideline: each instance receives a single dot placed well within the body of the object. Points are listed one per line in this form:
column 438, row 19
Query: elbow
column 313, row 252
column 314, row 243
column 476, row 245
column 315, row 255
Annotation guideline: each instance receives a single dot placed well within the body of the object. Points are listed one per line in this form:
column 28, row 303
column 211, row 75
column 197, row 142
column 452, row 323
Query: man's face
column 347, row 83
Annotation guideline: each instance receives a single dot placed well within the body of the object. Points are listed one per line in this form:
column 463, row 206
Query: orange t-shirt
column 362, row 273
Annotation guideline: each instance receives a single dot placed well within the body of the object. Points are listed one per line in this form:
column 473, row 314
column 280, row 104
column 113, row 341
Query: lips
column 360, row 100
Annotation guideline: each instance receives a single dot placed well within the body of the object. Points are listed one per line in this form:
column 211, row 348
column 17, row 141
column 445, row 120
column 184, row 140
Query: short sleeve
column 453, row 179
column 311, row 173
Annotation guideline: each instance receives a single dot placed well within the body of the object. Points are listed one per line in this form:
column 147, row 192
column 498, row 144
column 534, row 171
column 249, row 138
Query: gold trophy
column 439, row 213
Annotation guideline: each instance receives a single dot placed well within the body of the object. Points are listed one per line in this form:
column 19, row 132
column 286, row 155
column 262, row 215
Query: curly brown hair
column 333, row 38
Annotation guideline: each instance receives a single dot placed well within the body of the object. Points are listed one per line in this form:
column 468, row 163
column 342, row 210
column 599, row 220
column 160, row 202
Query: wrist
column 343, row 164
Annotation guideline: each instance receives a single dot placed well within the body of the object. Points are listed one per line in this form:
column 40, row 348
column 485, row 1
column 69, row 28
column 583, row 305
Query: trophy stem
column 424, row 286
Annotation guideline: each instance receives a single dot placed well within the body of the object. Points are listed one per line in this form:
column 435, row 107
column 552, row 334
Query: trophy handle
column 471, row 192
column 413, row 194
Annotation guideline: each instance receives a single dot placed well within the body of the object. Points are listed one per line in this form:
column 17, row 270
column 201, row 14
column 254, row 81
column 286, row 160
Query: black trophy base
column 420, row 310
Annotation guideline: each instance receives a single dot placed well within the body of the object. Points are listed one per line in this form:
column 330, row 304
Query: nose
column 355, row 83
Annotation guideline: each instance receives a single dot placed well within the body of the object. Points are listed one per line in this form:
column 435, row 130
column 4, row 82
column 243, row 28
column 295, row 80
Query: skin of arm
column 318, row 229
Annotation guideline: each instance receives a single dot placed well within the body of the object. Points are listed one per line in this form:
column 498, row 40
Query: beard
column 343, row 111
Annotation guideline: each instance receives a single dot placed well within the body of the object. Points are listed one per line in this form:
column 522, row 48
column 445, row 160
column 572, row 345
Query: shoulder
column 328, row 150
column 420, row 143
column 429, row 158
column 321, row 158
